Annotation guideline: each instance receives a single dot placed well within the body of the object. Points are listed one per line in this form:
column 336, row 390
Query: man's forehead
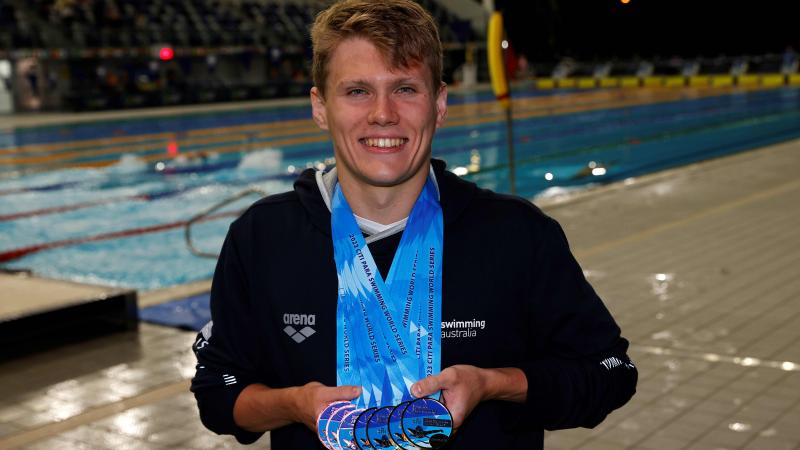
column 366, row 70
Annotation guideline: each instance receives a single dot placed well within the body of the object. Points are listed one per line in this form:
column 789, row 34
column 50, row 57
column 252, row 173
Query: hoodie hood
column 314, row 192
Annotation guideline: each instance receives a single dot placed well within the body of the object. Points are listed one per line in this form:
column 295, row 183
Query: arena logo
column 296, row 320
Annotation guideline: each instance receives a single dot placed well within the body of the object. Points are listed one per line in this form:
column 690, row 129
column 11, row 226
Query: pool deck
column 24, row 295
column 39, row 313
column 700, row 266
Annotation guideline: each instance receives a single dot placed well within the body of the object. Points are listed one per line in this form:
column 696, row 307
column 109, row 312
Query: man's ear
column 318, row 111
column 441, row 105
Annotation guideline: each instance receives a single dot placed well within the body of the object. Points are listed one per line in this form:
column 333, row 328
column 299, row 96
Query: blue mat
column 187, row 314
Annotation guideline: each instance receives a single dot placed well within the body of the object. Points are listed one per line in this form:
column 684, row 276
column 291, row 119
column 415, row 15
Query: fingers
column 427, row 386
column 348, row 392
column 336, row 393
column 323, row 395
column 446, row 379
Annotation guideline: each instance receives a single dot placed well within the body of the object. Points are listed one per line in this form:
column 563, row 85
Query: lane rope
column 36, row 248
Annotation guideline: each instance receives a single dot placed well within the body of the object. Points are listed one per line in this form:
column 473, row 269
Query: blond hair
column 404, row 33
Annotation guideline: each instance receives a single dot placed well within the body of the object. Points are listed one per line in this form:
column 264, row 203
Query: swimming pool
column 104, row 202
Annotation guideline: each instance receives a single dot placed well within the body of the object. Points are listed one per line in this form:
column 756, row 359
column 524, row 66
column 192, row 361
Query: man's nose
column 383, row 112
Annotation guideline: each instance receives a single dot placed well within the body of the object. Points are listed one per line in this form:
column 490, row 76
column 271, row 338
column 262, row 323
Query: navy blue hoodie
column 512, row 296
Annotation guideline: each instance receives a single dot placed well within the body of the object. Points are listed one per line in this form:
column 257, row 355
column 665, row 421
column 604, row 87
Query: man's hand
column 313, row 397
column 463, row 387
column 261, row 408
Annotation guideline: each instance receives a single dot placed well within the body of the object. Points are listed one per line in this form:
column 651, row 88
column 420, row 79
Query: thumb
column 426, row 386
column 332, row 394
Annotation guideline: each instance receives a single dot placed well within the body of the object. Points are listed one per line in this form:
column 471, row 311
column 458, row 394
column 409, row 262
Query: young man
column 526, row 344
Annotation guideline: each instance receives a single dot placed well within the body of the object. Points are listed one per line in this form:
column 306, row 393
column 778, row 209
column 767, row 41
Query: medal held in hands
column 325, row 417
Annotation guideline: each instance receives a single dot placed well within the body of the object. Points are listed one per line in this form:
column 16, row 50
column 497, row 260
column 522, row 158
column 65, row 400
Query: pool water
column 130, row 185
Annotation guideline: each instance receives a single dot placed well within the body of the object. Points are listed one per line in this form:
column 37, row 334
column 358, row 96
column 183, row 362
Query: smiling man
column 382, row 120
column 388, row 278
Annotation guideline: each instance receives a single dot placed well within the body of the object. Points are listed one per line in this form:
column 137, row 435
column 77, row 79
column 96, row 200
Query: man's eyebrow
column 395, row 82
column 354, row 82
column 409, row 80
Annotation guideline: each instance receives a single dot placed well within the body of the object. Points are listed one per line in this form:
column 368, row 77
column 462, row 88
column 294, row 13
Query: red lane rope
column 12, row 191
column 66, row 208
column 36, row 248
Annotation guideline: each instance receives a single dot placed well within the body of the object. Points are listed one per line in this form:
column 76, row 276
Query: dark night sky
column 599, row 29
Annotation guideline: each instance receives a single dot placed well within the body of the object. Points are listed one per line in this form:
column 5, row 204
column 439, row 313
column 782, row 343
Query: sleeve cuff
column 216, row 412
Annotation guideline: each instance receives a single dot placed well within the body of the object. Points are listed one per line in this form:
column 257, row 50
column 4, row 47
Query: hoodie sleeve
column 226, row 348
column 580, row 371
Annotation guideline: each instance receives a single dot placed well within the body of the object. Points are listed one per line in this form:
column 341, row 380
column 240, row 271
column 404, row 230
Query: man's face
column 381, row 120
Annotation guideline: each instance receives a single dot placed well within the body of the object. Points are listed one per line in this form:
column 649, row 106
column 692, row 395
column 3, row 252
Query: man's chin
column 385, row 180
column 385, row 173
column 392, row 177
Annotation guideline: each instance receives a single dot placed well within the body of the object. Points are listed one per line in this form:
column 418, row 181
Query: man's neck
column 381, row 204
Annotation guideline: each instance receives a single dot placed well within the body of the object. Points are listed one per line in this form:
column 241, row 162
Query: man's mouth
column 384, row 142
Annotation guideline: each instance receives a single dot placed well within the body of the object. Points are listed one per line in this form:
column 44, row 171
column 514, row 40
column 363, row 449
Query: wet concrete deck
column 700, row 266
column 24, row 295
column 39, row 313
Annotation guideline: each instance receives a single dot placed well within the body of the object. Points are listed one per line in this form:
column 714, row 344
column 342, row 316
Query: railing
column 205, row 215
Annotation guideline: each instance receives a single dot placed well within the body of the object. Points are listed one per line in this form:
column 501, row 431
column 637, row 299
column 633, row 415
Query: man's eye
column 406, row 90
column 356, row 92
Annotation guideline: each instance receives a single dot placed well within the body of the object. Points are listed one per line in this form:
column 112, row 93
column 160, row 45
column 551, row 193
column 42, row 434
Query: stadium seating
column 77, row 24
column 99, row 54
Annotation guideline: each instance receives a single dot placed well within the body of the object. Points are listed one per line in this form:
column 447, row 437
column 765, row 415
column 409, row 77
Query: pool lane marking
column 719, row 209
column 11, row 255
column 316, row 137
column 67, row 208
column 462, row 113
column 160, row 156
column 17, row 253
column 560, row 105
column 157, row 155
column 537, row 158
column 461, row 110
column 241, row 141
column 244, row 128
column 26, row 437
column 137, row 197
column 147, row 197
column 295, row 126
column 300, row 126
column 660, row 136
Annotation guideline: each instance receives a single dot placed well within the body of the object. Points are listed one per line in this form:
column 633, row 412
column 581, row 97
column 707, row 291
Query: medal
column 360, row 428
column 324, row 418
column 427, row 423
column 378, row 429
column 335, row 420
column 345, row 434
column 396, row 430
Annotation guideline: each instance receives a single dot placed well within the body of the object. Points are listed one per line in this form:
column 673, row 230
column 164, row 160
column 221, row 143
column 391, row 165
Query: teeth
column 384, row 142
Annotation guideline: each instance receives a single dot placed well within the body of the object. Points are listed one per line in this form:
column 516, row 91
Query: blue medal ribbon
column 388, row 331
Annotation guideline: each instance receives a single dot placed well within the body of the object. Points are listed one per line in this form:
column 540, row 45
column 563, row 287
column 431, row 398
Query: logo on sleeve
column 295, row 321
column 203, row 337
column 612, row 362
